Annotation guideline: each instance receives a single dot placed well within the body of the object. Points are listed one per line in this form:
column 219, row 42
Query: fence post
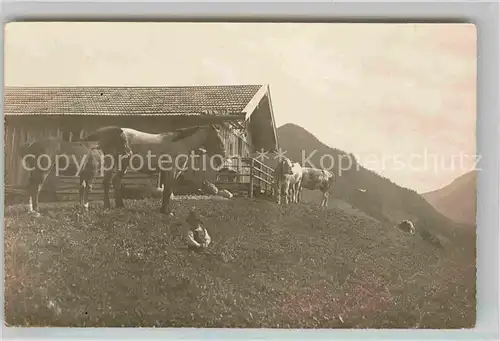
column 269, row 184
column 158, row 181
column 250, row 193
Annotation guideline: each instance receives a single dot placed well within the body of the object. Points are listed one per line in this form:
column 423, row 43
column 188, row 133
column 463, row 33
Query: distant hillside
column 457, row 200
column 381, row 198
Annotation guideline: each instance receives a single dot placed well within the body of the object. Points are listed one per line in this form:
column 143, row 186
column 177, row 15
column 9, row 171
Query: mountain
column 364, row 189
column 457, row 200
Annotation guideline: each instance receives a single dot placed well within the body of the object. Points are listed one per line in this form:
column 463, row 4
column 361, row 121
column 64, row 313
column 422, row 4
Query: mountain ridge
column 457, row 200
column 380, row 197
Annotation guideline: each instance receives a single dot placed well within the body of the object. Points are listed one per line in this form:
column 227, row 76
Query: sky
column 400, row 97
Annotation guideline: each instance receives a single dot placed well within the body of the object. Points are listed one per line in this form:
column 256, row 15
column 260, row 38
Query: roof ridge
column 128, row 86
column 215, row 99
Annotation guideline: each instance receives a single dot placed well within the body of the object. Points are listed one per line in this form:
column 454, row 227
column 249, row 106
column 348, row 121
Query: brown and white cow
column 288, row 176
column 317, row 179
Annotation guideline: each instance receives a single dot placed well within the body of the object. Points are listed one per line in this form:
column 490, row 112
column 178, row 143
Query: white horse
column 288, row 177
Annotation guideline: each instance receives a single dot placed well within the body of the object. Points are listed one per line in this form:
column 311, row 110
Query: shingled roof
column 178, row 100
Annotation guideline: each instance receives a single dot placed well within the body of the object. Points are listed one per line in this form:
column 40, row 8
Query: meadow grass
column 295, row 266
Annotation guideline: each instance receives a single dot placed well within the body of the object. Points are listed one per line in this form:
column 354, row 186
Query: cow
column 406, row 226
column 317, row 179
column 288, row 176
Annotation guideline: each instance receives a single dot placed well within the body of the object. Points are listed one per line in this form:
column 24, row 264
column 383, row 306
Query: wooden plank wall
column 15, row 136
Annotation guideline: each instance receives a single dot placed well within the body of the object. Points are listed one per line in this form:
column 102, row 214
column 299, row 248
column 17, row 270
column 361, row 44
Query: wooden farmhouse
column 244, row 111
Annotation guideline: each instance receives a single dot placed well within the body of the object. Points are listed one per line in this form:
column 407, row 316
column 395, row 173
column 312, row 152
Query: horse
column 123, row 145
column 317, row 179
column 42, row 157
column 288, row 177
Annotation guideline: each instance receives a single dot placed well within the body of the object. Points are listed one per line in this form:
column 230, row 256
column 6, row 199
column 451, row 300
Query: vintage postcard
column 240, row 175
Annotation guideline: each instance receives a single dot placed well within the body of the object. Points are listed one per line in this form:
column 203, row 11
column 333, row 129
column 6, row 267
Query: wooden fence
column 68, row 186
column 247, row 175
column 242, row 176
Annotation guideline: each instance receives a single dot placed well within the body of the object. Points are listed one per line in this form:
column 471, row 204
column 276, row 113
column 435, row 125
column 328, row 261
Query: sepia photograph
column 240, row 175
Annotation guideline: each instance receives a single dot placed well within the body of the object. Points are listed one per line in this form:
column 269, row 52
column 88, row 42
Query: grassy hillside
column 383, row 199
column 269, row 266
column 457, row 200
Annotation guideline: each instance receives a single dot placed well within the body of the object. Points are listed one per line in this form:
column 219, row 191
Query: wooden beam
column 236, row 125
column 228, row 118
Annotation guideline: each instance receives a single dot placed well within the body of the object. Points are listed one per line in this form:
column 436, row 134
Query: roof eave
column 275, row 132
column 254, row 102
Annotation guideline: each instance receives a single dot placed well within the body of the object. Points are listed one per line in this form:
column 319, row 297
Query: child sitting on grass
column 197, row 236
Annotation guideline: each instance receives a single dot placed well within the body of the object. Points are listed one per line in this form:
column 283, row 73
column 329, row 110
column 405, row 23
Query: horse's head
column 205, row 139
